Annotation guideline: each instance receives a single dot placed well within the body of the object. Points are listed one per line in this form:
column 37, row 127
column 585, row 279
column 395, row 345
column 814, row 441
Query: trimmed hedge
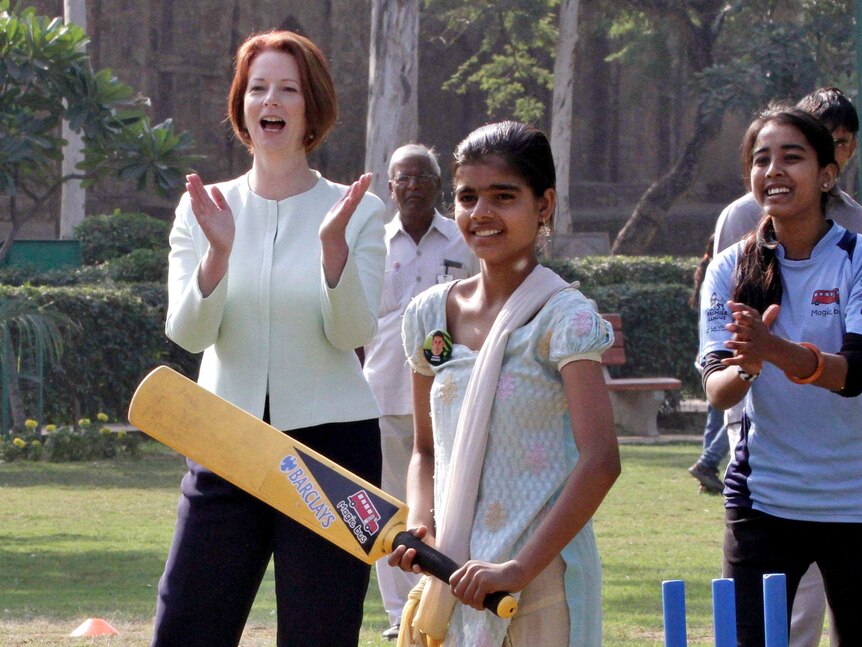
column 660, row 331
column 111, row 236
column 140, row 266
column 596, row 271
column 651, row 294
column 121, row 328
column 119, row 338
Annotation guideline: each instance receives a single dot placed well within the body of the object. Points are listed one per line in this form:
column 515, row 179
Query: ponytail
column 756, row 277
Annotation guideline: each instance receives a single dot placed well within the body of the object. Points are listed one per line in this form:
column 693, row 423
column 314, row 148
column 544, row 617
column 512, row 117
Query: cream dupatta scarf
column 454, row 522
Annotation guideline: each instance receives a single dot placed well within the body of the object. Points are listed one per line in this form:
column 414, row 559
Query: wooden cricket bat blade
column 331, row 501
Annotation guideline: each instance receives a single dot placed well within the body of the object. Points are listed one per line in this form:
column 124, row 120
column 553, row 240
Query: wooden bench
column 635, row 400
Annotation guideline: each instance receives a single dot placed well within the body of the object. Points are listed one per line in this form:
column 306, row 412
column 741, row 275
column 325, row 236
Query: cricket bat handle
column 437, row 564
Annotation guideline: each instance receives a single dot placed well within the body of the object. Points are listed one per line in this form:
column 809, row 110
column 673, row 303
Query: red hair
column 321, row 104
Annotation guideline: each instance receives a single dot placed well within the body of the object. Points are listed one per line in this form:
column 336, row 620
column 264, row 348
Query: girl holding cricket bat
column 515, row 446
column 275, row 276
column 781, row 330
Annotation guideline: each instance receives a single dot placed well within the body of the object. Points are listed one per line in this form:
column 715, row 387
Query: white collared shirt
column 410, row 269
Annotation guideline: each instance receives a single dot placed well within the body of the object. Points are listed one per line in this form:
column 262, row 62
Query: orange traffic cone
column 94, row 627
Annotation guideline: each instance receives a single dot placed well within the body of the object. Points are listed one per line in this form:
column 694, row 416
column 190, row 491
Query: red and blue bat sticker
column 362, row 511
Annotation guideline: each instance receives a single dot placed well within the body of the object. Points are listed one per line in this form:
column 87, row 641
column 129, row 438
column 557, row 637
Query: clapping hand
column 333, row 244
column 752, row 340
column 213, row 215
column 335, row 223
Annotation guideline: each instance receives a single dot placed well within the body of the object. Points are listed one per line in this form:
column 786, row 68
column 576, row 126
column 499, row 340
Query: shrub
column 597, row 271
column 86, row 440
column 107, row 237
column 88, row 274
column 120, row 337
column 140, row 266
column 660, row 331
column 22, row 446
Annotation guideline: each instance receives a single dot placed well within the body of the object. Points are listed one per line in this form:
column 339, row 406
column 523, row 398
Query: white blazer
column 272, row 323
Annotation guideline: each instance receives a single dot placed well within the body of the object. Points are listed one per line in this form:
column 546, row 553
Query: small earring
column 826, row 186
column 545, row 229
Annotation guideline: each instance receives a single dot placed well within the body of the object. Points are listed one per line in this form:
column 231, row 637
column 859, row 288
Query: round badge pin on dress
column 437, row 347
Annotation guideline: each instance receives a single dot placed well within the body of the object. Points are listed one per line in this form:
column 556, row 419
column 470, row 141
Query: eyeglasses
column 424, row 179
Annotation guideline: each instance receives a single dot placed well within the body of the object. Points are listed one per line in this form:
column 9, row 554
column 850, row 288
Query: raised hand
column 333, row 245
column 213, row 215
column 335, row 223
column 752, row 341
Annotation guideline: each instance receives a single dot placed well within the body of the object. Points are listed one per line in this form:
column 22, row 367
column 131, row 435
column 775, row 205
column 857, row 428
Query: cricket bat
column 331, row 501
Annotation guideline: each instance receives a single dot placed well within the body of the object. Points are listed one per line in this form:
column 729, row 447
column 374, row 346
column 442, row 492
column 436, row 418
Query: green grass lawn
column 89, row 540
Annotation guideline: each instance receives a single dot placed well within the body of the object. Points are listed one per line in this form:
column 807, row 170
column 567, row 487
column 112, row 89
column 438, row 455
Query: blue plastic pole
column 673, row 604
column 724, row 612
column 775, row 609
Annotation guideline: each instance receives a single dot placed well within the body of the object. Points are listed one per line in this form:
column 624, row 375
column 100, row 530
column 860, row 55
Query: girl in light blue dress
column 551, row 453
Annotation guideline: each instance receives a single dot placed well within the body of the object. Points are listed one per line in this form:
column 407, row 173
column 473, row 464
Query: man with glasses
column 423, row 248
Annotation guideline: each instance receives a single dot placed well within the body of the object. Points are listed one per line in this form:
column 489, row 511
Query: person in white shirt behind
column 423, row 248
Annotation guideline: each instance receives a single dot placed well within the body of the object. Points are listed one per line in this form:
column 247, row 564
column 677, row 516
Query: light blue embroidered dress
column 530, row 450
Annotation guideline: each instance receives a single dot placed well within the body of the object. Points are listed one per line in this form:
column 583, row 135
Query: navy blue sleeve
column 712, row 363
column 851, row 350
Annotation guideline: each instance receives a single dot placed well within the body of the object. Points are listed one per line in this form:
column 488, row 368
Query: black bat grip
column 440, row 566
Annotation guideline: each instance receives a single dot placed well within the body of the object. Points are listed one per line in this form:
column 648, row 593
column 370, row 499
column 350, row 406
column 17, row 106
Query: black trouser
column 222, row 546
column 756, row 544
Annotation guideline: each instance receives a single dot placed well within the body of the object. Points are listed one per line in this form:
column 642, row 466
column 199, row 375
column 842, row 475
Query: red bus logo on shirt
column 823, row 297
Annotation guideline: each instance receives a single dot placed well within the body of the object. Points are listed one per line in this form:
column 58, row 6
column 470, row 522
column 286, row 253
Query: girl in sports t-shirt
column 781, row 328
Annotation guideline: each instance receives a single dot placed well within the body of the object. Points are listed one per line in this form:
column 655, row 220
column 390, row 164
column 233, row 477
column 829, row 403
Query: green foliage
column 24, row 445
column 597, row 271
column 146, row 155
column 140, row 266
column 760, row 52
column 651, row 294
column 119, row 337
column 87, row 274
column 107, row 237
column 26, row 326
column 513, row 64
column 45, row 78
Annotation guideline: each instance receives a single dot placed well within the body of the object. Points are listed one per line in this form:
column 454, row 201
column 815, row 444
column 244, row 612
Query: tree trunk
column 72, row 197
column 653, row 207
column 699, row 37
column 561, row 119
column 393, row 113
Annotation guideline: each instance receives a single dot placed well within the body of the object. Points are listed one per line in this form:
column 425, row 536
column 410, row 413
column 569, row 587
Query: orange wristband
column 817, row 371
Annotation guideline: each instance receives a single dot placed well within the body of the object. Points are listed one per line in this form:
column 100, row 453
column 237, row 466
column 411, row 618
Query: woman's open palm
column 212, row 213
